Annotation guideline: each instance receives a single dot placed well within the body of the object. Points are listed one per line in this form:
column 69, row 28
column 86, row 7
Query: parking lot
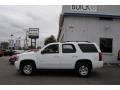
column 108, row 75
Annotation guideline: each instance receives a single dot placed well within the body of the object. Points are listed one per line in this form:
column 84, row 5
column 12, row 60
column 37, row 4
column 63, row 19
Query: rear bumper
column 97, row 64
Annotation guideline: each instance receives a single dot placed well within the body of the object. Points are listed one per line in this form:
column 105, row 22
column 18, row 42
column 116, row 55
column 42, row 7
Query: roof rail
column 78, row 41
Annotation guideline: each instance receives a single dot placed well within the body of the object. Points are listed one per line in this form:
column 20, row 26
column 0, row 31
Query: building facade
column 99, row 24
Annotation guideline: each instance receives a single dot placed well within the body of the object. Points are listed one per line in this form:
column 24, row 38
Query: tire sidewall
column 27, row 63
column 86, row 65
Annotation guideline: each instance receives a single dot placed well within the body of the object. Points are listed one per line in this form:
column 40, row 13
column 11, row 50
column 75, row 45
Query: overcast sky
column 17, row 19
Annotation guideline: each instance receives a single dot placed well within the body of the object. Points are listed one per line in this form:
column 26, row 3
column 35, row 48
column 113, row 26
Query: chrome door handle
column 74, row 56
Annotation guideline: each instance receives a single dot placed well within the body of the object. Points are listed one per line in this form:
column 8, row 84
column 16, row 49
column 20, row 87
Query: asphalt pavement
column 108, row 75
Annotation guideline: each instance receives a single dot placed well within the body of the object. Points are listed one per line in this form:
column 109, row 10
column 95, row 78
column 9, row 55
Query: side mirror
column 43, row 52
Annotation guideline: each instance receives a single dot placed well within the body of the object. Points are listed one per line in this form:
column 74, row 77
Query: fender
column 83, row 61
column 27, row 60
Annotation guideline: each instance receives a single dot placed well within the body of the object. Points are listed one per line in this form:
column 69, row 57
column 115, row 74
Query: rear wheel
column 27, row 68
column 83, row 69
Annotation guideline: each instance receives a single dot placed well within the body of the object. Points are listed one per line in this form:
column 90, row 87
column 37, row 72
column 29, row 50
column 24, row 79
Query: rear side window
column 68, row 48
column 87, row 48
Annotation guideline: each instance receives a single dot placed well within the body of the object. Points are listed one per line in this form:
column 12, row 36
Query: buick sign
column 88, row 8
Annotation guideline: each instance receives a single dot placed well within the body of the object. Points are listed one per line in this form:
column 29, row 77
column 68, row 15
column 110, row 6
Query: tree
column 4, row 45
column 50, row 39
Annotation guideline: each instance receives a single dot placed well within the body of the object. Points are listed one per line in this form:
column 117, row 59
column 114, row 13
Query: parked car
column 30, row 50
column 18, row 51
column 83, row 57
column 1, row 53
column 8, row 52
column 13, row 58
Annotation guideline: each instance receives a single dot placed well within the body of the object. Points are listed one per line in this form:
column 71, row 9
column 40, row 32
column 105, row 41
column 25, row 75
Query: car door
column 68, row 56
column 49, row 58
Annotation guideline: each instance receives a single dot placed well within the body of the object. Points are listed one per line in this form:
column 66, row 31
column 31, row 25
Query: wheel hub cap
column 83, row 70
column 27, row 69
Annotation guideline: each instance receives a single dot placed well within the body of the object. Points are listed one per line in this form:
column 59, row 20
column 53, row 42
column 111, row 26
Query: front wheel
column 27, row 68
column 83, row 69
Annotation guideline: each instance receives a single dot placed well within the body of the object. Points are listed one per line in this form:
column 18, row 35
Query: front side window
column 51, row 49
column 106, row 45
column 68, row 48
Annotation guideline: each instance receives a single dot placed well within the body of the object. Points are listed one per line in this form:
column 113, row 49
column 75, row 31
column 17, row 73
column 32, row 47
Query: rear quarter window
column 88, row 48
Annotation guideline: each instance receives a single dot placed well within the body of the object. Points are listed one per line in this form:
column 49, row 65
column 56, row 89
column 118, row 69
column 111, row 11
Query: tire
column 83, row 69
column 27, row 68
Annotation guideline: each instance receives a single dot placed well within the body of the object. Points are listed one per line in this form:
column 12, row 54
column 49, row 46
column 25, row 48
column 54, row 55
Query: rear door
column 68, row 56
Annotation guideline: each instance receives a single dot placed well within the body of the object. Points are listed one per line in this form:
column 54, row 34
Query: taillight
column 100, row 56
column 118, row 57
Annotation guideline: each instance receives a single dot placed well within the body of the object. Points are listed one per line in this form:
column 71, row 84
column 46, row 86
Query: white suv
column 80, row 56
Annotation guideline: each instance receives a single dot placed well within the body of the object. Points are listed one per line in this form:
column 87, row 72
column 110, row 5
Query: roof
column 78, row 42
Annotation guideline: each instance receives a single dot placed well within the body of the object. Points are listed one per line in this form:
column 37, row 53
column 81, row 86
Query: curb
column 111, row 64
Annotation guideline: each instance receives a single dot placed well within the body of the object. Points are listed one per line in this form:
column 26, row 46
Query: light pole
column 11, row 42
column 26, row 44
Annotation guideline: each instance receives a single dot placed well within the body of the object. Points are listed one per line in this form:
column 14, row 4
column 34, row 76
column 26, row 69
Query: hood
column 26, row 54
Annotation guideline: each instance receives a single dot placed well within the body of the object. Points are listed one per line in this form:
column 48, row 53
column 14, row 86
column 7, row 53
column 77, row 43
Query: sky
column 17, row 19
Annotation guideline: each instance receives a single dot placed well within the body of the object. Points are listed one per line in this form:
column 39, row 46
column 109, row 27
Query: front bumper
column 17, row 65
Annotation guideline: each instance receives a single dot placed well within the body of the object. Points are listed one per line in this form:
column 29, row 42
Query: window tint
column 52, row 49
column 88, row 48
column 106, row 45
column 68, row 48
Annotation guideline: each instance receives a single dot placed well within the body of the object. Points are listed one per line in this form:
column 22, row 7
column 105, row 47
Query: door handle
column 74, row 56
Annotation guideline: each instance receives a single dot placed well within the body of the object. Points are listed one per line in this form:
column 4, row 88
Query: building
column 99, row 24
column 15, row 44
column 18, row 43
column 11, row 44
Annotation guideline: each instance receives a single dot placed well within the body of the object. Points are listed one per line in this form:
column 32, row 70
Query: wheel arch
column 27, row 60
column 83, row 61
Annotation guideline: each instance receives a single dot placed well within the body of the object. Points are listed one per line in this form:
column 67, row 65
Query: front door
column 49, row 58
